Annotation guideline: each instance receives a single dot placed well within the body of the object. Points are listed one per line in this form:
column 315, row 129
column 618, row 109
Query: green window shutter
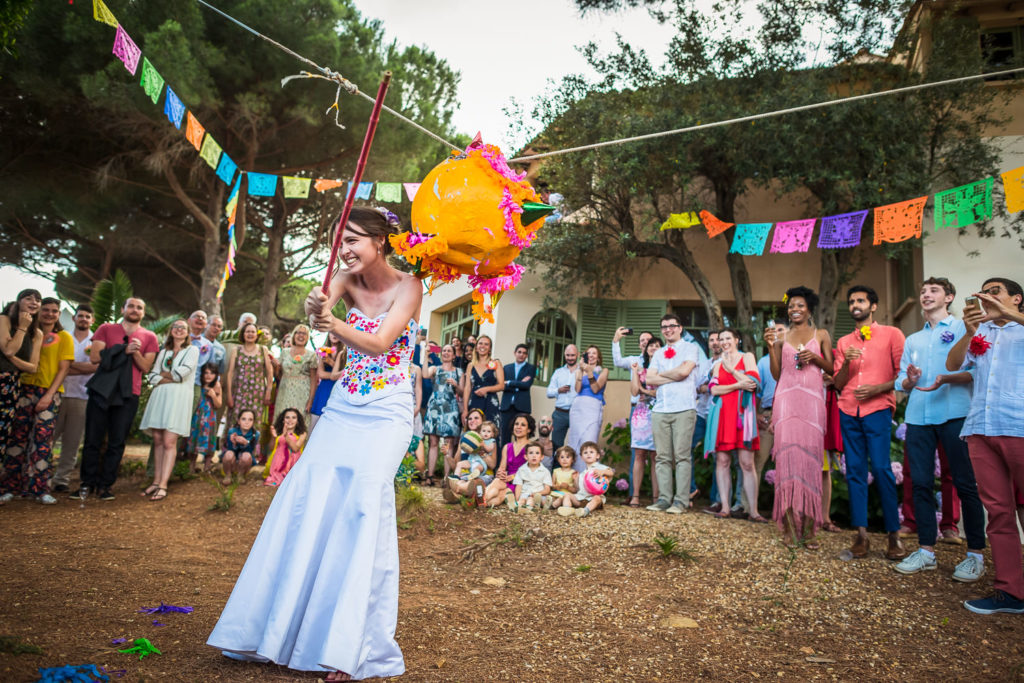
column 642, row 316
column 844, row 323
column 598, row 319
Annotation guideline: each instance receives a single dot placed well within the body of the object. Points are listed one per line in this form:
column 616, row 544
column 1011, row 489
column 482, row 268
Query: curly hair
column 805, row 293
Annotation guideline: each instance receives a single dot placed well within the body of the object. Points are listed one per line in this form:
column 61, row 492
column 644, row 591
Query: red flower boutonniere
column 979, row 345
column 670, row 352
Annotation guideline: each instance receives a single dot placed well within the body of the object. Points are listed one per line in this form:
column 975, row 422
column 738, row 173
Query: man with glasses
column 562, row 388
column 994, row 346
column 937, row 404
column 674, row 415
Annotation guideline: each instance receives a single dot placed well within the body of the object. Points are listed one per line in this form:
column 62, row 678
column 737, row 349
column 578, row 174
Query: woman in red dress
column 734, row 381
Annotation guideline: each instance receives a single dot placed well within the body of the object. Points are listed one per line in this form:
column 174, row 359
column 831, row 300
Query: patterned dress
column 203, row 437
column 249, row 384
column 293, row 389
column 443, row 407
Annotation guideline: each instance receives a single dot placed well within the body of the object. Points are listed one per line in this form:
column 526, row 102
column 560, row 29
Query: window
column 547, row 335
column 458, row 322
column 695, row 321
column 599, row 318
column 1001, row 49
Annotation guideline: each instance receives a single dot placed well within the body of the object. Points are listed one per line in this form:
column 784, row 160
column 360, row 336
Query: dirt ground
column 549, row 599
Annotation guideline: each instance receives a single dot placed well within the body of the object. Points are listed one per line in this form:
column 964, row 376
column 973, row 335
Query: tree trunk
column 828, row 288
column 683, row 259
column 214, row 256
column 272, row 271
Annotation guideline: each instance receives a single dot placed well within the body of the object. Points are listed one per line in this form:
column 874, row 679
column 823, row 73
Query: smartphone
column 973, row 302
column 628, row 330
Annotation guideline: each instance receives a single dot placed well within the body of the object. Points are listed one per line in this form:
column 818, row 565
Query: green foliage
column 98, row 177
column 12, row 16
column 161, row 326
column 617, row 443
column 669, row 547
column 583, row 568
column 515, row 534
column 409, row 500
column 225, row 494
column 108, row 297
column 183, row 471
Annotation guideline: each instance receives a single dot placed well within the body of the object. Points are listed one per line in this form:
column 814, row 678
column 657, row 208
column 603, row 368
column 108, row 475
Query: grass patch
column 583, row 568
column 409, row 500
column 183, row 470
column 13, row 645
column 669, row 547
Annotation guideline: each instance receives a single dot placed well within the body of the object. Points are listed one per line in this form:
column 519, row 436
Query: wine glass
column 83, row 493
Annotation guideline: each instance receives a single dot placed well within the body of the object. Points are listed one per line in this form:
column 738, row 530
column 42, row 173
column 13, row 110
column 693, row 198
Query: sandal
column 634, row 502
column 150, row 491
column 831, row 527
column 758, row 519
column 722, row 514
column 428, row 481
column 159, row 495
column 812, row 544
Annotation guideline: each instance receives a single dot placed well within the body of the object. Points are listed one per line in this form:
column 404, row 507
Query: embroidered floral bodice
column 367, row 378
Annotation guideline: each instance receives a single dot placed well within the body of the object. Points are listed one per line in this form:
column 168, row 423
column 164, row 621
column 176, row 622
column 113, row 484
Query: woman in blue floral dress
column 442, row 421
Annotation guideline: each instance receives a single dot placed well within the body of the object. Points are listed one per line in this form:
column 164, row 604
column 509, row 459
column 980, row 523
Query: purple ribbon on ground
column 118, row 641
column 164, row 609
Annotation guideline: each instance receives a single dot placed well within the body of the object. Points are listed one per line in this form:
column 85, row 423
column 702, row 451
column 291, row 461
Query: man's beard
column 544, row 430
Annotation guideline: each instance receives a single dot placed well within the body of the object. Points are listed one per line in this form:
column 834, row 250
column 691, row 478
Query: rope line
column 351, row 88
column 755, row 117
column 329, row 75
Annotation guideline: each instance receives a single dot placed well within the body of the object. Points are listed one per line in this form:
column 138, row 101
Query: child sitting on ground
column 240, row 447
column 477, row 446
column 583, row 499
column 532, row 482
column 564, row 478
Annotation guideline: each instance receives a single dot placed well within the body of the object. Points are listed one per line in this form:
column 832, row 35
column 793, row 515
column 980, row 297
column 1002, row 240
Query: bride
column 319, row 591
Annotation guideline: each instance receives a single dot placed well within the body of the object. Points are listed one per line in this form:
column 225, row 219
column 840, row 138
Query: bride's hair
column 371, row 223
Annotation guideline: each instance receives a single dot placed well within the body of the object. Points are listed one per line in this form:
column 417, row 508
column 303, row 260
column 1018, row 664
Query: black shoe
column 77, row 495
column 61, row 488
column 105, row 494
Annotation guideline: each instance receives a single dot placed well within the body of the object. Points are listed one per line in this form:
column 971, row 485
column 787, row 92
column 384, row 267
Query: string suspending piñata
column 473, row 216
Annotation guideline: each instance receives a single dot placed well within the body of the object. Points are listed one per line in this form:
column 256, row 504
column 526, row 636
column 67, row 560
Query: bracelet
column 22, row 329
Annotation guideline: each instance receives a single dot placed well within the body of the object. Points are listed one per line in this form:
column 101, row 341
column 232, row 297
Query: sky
column 509, row 50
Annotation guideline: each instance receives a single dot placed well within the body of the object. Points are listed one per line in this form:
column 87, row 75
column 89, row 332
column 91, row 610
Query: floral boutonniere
column 785, row 298
column 979, row 345
column 947, row 337
column 865, row 332
column 670, row 352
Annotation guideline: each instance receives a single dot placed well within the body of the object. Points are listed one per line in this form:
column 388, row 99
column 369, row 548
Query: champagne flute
column 83, row 493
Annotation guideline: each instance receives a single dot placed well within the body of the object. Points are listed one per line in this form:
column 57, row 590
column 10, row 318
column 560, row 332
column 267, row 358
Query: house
column 656, row 287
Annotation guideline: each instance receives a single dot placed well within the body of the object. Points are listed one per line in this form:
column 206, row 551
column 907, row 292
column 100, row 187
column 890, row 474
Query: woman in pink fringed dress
column 798, row 418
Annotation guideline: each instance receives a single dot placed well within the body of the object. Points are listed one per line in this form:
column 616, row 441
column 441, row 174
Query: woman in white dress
column 169, row 409
column 319, row 591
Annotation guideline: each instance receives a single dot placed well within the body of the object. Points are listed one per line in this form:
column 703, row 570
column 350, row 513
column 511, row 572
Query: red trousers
column 950, row 501
column 998, row 463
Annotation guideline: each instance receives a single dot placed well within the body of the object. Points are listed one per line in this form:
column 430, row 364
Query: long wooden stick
column 364, row 153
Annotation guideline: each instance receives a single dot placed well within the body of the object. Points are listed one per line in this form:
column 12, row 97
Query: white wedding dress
column 319, row 590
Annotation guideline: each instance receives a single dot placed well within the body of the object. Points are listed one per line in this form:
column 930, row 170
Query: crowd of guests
column 812, row 405
column 224, row 407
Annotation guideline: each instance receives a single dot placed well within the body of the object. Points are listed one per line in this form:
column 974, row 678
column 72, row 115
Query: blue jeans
column 921, row 443
column 866, row 441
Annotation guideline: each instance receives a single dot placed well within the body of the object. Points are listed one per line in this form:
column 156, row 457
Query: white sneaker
column 566, row 511
column 47, row 499
column 583, row 512
column 6, row 498
column 970, row 570
column 674, row 510
column 915, row 562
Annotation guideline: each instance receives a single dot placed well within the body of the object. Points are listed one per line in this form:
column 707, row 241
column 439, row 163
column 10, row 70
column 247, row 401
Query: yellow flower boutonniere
column 785, row 298
column 865, row 333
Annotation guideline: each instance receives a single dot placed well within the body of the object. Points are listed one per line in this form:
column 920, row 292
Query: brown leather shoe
column 861, row 545
column 896, row 550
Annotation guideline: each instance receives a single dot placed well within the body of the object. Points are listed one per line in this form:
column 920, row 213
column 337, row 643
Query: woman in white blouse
column 169, row 409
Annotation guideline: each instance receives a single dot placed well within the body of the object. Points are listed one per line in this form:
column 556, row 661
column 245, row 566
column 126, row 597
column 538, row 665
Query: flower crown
column 392, row 219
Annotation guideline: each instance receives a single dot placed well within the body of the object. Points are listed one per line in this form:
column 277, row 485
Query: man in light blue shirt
column 562, row 388
column 218, row 354
column 674, row 415
column 994, row 345
column 937, row 404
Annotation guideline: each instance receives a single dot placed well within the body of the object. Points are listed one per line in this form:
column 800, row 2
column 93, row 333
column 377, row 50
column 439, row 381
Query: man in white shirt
column 674, row 415
column 562, row 388
column 70, row 424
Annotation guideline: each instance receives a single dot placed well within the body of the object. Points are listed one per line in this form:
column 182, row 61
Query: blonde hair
column 476, row 355
column 304, row 328
column 494, row 428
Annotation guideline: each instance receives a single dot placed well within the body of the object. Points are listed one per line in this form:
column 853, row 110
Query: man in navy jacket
column 515, row 398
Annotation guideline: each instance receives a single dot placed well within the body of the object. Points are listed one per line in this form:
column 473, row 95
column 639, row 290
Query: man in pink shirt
column 112, row 404
column 867, row 362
